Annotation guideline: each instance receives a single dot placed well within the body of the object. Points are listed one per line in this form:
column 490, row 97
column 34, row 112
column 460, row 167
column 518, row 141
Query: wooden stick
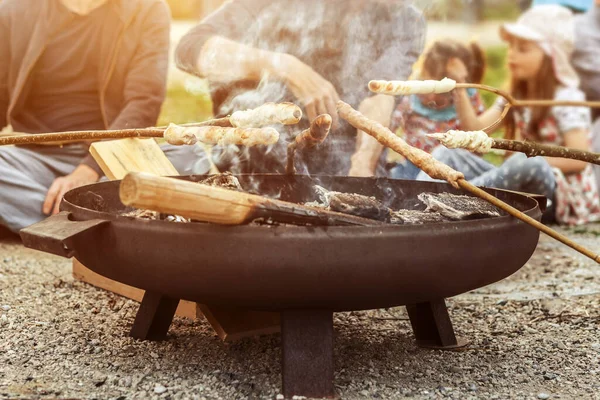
column 270, row 113
column 77, row 136
column 314, row 135
column 221, row 206
column 222, row 122
column 533, row 149
column 479, row 142
column 526, row 218
column 95, row 135
column 389, row 139
column 423, row 160
column 401, row 88
column 529, row 103
column 512, row 102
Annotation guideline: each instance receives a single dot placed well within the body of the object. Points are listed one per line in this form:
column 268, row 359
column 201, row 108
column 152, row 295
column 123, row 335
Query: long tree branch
column 533, row 149
column 77, row 136
column 479, row 142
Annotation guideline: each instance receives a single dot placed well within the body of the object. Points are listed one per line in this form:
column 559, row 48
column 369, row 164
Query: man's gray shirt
column 348, row 42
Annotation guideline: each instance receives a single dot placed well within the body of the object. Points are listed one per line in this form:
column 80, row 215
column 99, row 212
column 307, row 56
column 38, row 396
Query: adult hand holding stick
column 222, row 59
column 438, row 170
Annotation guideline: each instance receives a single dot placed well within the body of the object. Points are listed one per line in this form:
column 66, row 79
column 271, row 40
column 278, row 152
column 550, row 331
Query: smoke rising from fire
column 348, row 45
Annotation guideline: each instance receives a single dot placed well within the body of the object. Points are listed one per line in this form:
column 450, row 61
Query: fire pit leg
column 307, row 355
column 154, row 317
column 432, row 325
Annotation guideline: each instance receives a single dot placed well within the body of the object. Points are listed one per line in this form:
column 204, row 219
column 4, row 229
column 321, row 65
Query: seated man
column 70, row 65
column 311, row 53
column 586, row 61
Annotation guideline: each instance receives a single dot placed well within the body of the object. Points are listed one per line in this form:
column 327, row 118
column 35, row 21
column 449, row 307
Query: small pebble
column 280, row 397
column 159, row 389
column 543, row 396
column 549, row 376
column 5, row 307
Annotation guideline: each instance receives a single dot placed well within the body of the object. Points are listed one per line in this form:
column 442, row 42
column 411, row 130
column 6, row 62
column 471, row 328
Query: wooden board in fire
column 439, row 207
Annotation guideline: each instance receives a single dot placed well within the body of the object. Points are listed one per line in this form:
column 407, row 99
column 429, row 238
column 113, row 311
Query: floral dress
column 576, row 195
column 414, row 121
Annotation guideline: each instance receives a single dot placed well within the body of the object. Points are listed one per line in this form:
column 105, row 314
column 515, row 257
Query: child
column 538, row 58
column 418, row 115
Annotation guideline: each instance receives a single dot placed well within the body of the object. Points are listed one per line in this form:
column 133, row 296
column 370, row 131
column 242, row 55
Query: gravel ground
column 533, row 336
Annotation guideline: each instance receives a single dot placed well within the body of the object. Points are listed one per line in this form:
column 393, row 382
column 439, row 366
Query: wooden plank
column 185, row 309
column 118, row 157
column 232, row 324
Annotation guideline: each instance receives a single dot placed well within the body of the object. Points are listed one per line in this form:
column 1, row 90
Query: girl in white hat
column 540, row 46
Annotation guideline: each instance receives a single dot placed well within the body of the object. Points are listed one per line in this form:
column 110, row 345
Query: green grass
column 501, row 10
column 457, row 10
column 496, row 75
column 184, row 105
column 496, row 72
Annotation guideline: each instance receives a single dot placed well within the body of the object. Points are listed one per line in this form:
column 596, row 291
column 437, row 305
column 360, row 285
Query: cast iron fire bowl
column 306, row 272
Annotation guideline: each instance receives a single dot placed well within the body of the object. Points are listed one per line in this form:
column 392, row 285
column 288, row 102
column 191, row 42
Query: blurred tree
column 186, row 9
column 470, row 11
column 473, row 11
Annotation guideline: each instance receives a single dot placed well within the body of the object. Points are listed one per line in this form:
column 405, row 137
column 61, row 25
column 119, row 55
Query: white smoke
column 312, row 34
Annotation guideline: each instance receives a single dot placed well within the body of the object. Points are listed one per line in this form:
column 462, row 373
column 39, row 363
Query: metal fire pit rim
column 78, row 211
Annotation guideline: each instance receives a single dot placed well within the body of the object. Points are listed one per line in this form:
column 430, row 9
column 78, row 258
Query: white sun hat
column 552, row 27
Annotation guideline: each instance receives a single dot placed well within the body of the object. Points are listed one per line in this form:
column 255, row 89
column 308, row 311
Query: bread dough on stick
column 475, row 141
column 401, row 88
column 267, row 114
column 216, row 135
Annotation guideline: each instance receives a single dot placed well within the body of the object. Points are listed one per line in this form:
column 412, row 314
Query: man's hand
column 317, row 94
column 82, row 175
column 224, row 60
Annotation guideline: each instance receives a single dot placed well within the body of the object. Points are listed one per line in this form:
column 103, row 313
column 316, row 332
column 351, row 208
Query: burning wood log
column 225, row 180
column 221, row 206
column 416, row 217
column 314, row 135
column 480, row 142
column 214, row 135
column 267, row 114
column 354, row 204
column 438, row 170
column 458, row 208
